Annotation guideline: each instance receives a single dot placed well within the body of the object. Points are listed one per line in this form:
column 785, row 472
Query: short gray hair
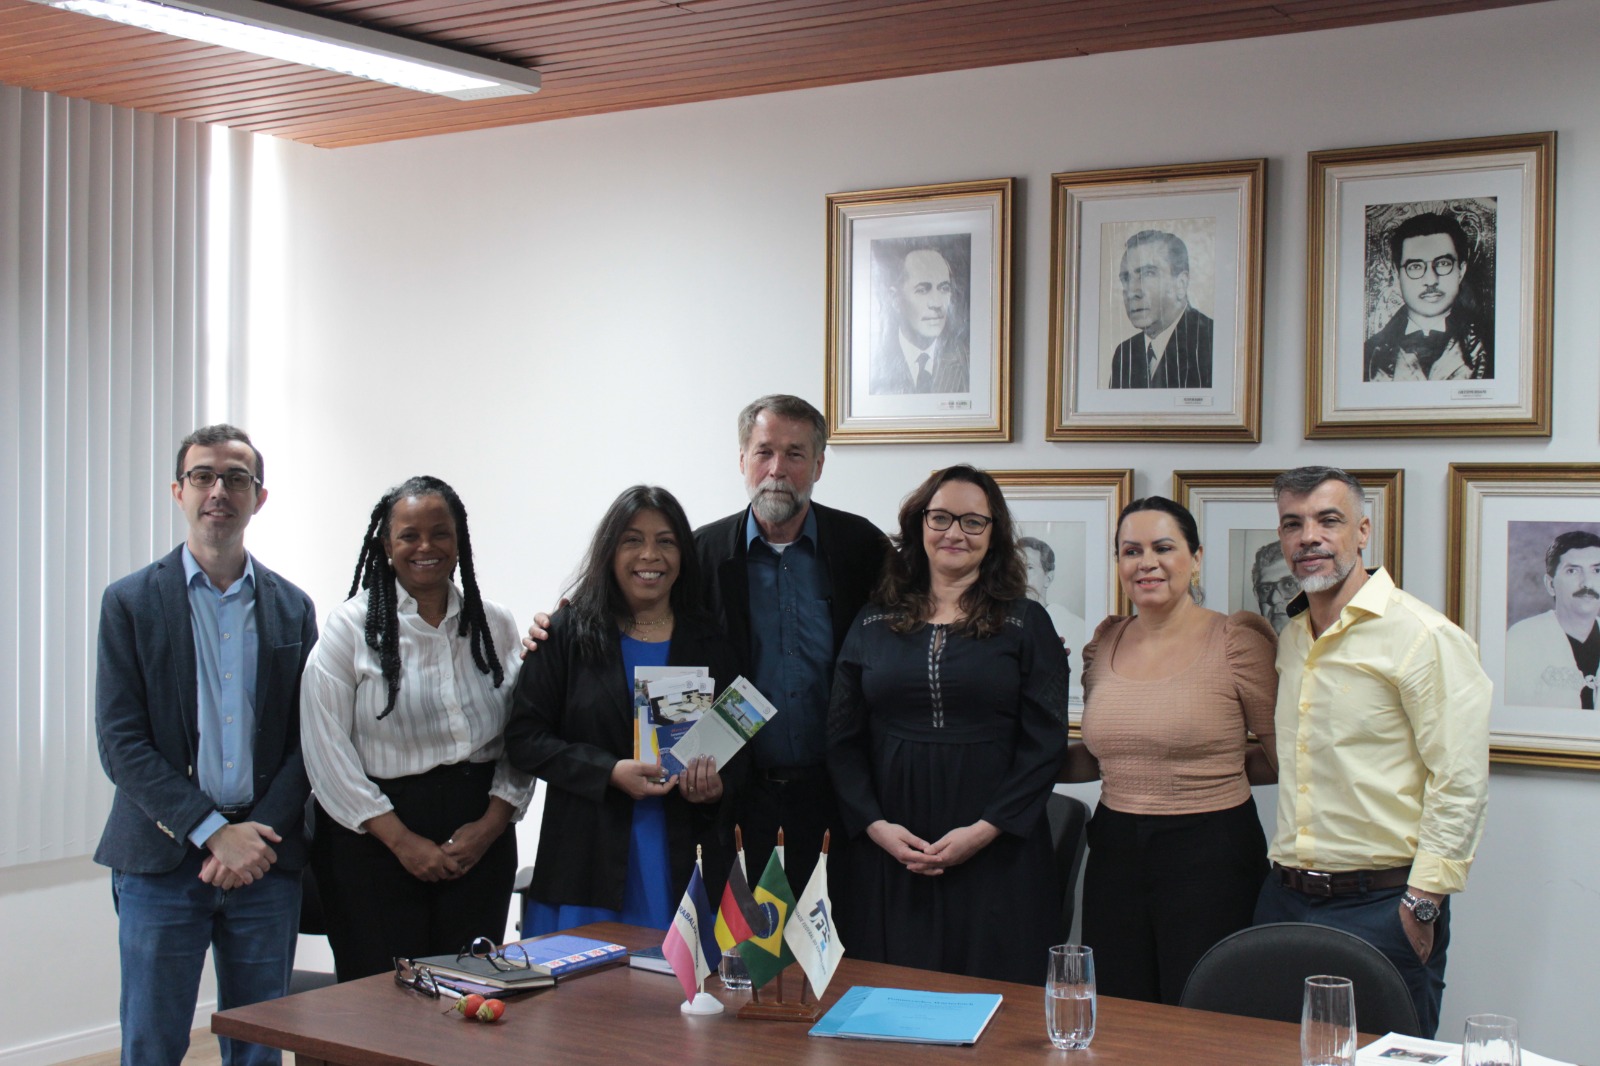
column 1303, row 480
column 784, row 406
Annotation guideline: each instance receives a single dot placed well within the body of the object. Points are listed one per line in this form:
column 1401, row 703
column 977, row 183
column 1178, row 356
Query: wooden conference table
column 631, row 1016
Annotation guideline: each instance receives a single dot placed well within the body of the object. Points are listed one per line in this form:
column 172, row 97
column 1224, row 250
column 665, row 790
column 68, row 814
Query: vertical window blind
column 103, row 369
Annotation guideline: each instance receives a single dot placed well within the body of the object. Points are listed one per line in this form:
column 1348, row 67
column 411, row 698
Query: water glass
column 1069, row 1001
column 1490, row 1040
column 1328, row 1022
column 735, row 975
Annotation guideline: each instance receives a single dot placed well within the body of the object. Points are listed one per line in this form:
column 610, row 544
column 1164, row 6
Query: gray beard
column 777, row 507
column 1324, row 582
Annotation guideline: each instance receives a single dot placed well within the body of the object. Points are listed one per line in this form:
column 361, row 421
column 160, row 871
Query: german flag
column 739, row 916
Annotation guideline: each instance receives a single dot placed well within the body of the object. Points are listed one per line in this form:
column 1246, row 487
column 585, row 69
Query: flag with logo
column 739, row 916
column 810, row 933
column 691, row 946
column 766, row 952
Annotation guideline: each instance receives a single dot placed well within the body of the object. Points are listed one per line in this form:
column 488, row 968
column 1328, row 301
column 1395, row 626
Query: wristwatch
column 1423, row 910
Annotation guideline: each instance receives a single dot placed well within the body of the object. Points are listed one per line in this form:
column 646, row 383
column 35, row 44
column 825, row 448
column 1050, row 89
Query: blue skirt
column 646, row 901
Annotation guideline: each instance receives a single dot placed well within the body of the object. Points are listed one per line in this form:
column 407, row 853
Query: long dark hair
column 906, row 587
column 374, row 573
column 597, row 604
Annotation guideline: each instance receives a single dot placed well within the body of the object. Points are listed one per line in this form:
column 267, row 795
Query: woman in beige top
column 1176, row 851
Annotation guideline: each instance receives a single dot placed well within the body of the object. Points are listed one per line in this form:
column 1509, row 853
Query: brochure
column 903, row 1014
column 666, row 702
column 736, row 716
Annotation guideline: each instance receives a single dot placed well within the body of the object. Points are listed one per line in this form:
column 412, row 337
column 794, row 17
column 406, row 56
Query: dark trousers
column 1374, row 916
column 804, row 809
column 376, row 910
column 1161, row 889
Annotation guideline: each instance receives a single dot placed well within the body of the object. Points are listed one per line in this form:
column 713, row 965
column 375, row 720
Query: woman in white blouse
column 403, row 707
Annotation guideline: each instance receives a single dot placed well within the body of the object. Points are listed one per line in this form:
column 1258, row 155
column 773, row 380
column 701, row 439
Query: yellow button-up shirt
column 1383, row 741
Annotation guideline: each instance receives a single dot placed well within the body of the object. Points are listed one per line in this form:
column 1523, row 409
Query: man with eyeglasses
column 197, row 706
column 1274, row 585
column 1434, row 336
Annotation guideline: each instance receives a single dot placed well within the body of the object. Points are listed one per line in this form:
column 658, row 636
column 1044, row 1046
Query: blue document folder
column 904, row 1014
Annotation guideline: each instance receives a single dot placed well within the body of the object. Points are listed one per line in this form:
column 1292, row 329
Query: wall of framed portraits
column 544, row 315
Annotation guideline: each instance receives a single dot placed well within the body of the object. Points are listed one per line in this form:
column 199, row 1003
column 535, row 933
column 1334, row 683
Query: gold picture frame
column 1505, row 521
column 1238, row 526
column 1066, row 522
column 1195, row 232
column 1371, row 368
column 919, row 314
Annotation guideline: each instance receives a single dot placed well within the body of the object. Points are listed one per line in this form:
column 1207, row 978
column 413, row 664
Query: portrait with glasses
column 1427, row 262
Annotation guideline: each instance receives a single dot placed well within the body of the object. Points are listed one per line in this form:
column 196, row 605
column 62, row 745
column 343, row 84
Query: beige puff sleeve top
column 1176, row 745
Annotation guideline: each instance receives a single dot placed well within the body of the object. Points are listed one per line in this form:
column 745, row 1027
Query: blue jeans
column 165, row 924
column 1374, row 916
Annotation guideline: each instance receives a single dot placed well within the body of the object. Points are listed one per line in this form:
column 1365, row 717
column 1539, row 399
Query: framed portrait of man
column 1066, row 527
column 1523, row 580
column 1243, row 568
column 919, row 323
column 1428, row 292
column 1156, row 303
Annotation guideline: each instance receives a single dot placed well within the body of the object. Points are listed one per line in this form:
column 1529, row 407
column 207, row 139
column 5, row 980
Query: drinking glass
column 735, row 975
column 1069, row 1001
column 1490, row 1040
column 1328, row 1022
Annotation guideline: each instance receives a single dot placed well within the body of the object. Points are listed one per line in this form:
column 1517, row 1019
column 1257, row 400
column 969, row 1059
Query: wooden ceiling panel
column 597, row 56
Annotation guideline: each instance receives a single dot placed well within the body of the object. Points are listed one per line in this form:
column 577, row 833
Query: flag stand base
column 778, row 1010
column 703, row 1003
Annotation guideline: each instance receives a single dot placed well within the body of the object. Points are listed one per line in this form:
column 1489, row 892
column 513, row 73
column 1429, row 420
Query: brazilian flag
column 766, row 953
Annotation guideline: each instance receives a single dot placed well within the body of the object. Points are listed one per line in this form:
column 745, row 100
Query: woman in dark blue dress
column 946, row 731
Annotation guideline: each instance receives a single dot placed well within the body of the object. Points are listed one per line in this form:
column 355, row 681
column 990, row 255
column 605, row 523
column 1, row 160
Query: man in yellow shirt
column 1383, row 745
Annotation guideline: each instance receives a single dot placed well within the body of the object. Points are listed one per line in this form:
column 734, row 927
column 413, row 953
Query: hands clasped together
column 921, row 857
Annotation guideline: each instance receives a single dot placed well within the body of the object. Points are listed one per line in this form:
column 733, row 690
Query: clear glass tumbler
column 735, row 976
column 1490, row 1040
column 1328, row 1022
column 1069, row 998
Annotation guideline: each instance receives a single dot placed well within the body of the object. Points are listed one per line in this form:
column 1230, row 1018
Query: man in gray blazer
column 197, row 707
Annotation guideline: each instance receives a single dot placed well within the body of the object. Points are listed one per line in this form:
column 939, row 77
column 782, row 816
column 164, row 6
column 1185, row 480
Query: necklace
column 636, row 624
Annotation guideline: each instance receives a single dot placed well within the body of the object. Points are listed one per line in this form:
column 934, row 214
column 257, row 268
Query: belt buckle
column 1316, row 883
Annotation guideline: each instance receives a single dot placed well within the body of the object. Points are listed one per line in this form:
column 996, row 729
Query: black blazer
column 852, row 547
column 147, row 717
column 571, row 722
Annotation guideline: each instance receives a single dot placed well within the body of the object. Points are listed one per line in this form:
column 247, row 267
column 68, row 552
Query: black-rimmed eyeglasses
column 972, row 523
column 407, row 974
column 504, row 959
column 1443, row 266
column 235, row 481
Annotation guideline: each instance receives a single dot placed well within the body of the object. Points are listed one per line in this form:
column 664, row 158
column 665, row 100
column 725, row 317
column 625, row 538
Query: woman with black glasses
column 403, row 707
column 946, row 731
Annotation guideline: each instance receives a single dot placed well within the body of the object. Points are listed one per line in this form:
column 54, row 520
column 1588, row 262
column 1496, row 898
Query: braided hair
column 375, row 573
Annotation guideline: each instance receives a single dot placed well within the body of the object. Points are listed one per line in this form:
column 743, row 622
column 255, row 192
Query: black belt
column 792, row 775
column 1345, row 883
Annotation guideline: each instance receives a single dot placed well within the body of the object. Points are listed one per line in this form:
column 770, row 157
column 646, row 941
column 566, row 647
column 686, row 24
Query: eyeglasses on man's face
column 1443, row 266
column 237, row 482
column 972, row 523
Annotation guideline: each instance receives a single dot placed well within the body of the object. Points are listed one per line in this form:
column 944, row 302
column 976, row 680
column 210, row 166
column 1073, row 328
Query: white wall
column 546, row 314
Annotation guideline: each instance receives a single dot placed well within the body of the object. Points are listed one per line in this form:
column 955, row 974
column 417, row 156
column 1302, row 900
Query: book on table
column 548, row 959
column 904, row 1014
column 652, row 959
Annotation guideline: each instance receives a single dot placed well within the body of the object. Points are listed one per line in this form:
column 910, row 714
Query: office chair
column 1068, row 819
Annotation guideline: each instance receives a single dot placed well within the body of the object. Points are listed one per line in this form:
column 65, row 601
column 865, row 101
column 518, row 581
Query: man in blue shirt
column 786, row 577
column 197, row 707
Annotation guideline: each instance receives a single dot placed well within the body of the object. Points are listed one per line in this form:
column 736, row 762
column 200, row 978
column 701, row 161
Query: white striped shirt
column 446, row 712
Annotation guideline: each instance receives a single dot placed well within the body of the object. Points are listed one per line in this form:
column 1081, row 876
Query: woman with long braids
column 403, row 707
column 618, row 838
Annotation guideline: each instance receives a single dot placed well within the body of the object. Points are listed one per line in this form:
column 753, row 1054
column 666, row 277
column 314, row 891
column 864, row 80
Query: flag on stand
column 766, row 953
column 739, row 916
column 691, row 946
column 810, row 933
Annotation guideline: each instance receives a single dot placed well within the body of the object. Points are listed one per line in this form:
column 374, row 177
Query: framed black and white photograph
column 1243, row 568
column 919, row 314
column 1429, row 289
column 1155, row 303
column 1066, row 528
column 1523, row 580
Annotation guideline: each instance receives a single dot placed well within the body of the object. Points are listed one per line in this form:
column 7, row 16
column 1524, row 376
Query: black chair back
column 1260, row 973
column 1068, row 819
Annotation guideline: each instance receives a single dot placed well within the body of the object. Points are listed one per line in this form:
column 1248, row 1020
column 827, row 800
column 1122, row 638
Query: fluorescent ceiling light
column 315, row 41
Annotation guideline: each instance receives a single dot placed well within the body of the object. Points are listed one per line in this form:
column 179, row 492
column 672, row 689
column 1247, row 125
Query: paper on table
column 736, row 716
column 1393, row 1049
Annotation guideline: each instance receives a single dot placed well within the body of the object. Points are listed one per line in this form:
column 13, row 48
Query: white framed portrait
column 1429, row 289
column 919, row 314
column 1066, row 524
column 1155, row 303
column 1523, row 580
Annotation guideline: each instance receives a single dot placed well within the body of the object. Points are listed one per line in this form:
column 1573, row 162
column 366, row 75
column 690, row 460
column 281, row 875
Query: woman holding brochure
column 946, row 729
column 618, row 838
